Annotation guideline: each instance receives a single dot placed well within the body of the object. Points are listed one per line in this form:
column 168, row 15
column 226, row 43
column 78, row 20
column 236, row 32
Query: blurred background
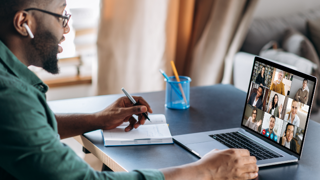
column 124, row 43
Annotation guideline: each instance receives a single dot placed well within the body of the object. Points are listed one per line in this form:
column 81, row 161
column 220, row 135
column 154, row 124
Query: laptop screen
column 278, row 104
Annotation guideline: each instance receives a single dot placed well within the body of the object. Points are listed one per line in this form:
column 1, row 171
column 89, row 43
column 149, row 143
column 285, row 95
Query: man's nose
column 66, row 29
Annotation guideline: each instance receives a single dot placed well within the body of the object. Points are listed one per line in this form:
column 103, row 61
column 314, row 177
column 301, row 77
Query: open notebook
column 154, row 132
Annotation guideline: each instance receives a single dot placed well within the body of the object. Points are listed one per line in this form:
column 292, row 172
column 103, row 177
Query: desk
column 212, row 108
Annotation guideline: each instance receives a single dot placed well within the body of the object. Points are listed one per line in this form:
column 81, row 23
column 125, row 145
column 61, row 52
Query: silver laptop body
column 201, row 143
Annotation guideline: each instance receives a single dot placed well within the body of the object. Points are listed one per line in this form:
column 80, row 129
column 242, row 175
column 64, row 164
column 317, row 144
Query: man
column 29, row 131
column 286, row 139
column 278, row 85
column 303, row 93
column 269, row 131
column 255, row 99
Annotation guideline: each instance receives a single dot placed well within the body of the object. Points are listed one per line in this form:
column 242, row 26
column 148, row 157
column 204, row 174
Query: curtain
column 136, row 38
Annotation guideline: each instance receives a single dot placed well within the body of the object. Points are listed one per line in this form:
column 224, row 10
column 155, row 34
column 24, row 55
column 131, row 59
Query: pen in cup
column 134, row 102
column 172, row 85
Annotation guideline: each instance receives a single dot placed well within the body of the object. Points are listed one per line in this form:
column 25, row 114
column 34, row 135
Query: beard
column 45, row 50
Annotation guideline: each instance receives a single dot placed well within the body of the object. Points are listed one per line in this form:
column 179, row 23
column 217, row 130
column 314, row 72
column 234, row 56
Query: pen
column 133, row 101
column 167, row 78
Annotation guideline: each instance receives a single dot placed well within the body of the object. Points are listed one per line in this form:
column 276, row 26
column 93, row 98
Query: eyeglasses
column 63, row 18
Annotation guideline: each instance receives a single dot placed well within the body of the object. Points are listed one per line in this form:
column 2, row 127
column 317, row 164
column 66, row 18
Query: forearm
column 70, row 125
column 189, row 171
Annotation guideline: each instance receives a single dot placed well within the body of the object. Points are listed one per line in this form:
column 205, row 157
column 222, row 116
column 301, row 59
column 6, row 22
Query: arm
column 227, row 164
column 296, row 97
column 282, row 89
column 247, row 123
column 306, row 98
column 272, row 87
column 120, row 111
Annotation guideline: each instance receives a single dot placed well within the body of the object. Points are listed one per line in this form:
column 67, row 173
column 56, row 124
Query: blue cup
column 174, row 96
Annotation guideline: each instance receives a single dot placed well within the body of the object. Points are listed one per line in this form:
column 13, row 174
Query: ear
column 19, row 19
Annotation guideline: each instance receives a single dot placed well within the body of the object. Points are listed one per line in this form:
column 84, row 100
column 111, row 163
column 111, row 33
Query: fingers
column 132, row 121
column 249, row 160
column 128, row 111
column 243, row 152
column 141, row 101
column 249, row 175
column 141, row 120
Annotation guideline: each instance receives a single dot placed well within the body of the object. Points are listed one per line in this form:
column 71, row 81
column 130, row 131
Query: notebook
column 155, row 131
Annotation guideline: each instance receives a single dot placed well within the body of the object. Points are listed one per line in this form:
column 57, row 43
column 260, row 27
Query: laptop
column 274, row 121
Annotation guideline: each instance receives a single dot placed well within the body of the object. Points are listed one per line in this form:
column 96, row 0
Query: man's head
column 260, row 92
column 304, row 83
column 280, row 75
column 272, row 122
column 47, row 28
column 289, row 132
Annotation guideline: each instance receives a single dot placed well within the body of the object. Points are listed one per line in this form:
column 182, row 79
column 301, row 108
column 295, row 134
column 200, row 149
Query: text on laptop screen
column 278, row 104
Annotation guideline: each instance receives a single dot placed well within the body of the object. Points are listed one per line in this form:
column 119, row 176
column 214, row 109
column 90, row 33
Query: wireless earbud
column 28, row 30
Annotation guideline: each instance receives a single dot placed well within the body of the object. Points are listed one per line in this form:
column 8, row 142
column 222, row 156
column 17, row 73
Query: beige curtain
column 138, row 37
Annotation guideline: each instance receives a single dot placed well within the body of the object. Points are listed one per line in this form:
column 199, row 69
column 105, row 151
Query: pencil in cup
column 178, row 80
column 173, row 99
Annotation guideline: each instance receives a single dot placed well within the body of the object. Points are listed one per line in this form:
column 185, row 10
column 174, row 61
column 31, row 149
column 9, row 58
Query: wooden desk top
column 212, row 108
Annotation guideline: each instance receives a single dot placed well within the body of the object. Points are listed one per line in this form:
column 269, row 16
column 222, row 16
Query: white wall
column 276, row 8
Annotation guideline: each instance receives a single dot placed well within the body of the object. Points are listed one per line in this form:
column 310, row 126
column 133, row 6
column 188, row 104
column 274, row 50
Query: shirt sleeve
column 31, row 149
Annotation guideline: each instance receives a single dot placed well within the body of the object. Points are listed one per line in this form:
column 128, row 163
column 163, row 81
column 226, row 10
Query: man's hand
column 229, row 164
column 217, row 165
column 121, row 111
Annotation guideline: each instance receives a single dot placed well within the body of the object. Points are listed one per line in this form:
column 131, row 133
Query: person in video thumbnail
column 274, row 109
column 278, row 85
column 255, row 99
column 269, row 131
column 252, row 122
column 303, row 93
column 260, row 77
column 292, row 116
column 286, row 139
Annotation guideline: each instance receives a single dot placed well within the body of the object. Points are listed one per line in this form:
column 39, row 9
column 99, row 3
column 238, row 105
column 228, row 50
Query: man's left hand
column 121, row 111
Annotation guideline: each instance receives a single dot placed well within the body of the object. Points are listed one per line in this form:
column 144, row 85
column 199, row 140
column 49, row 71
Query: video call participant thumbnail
column 303, row 93
column 274, row 109
column 278, row 85
column 260, row 77
column 252, row 123
column 292, row 115
column 286, row 139
column 269, row 131
column 255, row 99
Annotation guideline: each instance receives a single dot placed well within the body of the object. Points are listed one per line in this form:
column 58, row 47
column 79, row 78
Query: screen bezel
column 292, row 71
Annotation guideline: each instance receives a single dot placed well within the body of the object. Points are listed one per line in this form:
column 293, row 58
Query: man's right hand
column 226, row 164
column 229, row 164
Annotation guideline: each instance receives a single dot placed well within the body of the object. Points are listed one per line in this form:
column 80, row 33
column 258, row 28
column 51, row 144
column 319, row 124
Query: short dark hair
column 272, row 116
column 289, row 124
column 305, row 80
column 261, row 97
column 9, row 8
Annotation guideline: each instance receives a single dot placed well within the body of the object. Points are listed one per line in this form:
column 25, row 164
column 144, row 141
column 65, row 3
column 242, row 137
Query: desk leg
column 105, row 168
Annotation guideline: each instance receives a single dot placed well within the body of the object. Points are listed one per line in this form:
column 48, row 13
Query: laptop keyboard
column 237, row 140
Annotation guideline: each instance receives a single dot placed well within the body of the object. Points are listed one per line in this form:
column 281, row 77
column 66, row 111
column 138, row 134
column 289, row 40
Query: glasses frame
column 65, row 18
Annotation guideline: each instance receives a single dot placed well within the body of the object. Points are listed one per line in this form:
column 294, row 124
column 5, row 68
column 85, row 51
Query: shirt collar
column 18, row 69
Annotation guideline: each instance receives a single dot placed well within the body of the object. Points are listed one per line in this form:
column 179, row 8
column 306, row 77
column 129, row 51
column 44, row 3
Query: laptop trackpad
column 205, row 147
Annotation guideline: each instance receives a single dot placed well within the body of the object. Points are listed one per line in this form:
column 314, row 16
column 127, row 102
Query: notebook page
column 158, row 131
column 155, row 119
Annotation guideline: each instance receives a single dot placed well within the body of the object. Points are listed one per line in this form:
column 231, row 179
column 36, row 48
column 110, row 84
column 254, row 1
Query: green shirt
column 30, row 146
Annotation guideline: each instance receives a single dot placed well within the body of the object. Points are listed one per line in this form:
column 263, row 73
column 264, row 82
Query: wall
column 276, row 8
